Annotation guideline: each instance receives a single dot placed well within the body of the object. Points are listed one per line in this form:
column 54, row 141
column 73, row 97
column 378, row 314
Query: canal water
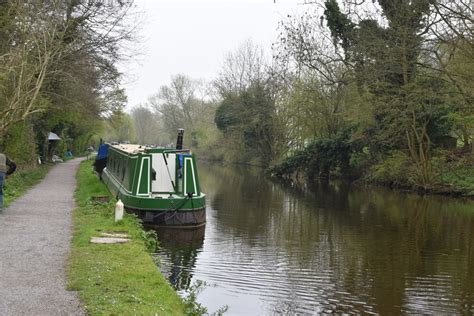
column 270, row 248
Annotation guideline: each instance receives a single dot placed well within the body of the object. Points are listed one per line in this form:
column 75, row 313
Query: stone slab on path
column 35, row 235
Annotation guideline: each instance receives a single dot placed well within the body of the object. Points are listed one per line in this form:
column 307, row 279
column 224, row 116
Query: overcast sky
column 192, row 37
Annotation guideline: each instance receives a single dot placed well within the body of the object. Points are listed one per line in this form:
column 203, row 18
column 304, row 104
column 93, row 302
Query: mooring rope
column 174, row 210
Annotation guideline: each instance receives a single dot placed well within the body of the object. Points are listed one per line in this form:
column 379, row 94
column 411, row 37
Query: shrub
column 396, row 170
column 322, row 157
column 19, row 145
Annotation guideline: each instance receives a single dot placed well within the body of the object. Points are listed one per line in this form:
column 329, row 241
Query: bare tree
column 241, row 68
column 25, row 65
column 177, row 104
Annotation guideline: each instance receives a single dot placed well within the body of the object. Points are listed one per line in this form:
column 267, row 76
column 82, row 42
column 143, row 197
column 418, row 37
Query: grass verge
column 21, row 180
column 114, row 279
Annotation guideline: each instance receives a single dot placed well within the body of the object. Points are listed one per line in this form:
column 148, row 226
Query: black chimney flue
column 179, row 142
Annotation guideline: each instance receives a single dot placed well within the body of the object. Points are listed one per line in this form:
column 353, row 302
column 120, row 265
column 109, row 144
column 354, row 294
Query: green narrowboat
column 159, row 185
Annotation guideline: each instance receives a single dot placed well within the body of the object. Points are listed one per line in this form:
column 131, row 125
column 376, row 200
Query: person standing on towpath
column 35, row 235
column 7, row 167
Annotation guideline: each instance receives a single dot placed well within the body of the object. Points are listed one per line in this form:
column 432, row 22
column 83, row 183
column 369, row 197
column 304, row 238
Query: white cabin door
column 165, row 172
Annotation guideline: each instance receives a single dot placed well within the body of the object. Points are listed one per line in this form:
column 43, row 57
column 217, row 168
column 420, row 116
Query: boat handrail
column 175, row 151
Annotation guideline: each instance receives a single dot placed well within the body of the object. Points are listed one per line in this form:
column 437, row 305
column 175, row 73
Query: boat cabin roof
column 135, row 149
column 130, row 148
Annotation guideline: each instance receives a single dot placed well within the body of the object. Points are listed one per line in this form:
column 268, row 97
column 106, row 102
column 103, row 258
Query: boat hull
column 179, row 211
column 178, row 219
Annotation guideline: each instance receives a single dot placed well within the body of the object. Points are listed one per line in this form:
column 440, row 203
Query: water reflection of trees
column 179, row 249
column 378, row 244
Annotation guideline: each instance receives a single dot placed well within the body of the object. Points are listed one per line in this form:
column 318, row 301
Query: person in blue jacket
column 7, row 167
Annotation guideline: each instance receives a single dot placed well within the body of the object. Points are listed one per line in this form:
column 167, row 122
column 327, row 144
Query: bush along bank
column 114, row 279
column 437, row 172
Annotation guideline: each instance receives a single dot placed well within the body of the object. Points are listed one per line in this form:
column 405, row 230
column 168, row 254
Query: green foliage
column 150, row 238
column 463, row 126
column 291, row 165
column 395, row 170
column 228, row 113
column 321, row 158
column 249, row 116
column 315, row 110
column 19, row 145
column 341, row 27
column 360, row 161
column 192, row 307
column 456, row 174
column 209, row 142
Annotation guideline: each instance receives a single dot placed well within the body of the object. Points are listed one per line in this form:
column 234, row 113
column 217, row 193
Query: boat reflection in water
column 178, row 251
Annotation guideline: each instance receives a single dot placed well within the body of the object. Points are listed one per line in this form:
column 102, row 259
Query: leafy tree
column 228, row 114
column 249, row 116
column 241, row 68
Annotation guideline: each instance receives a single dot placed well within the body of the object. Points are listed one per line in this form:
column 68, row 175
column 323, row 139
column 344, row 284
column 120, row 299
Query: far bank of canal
column 329, row 247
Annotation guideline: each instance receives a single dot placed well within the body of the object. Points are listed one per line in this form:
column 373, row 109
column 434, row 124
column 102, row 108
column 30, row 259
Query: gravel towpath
column 35, row 234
